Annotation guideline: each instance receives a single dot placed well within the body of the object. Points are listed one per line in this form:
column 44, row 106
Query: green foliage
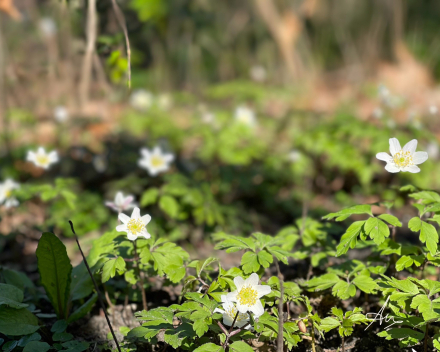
column 344, row 322
column 17, row 322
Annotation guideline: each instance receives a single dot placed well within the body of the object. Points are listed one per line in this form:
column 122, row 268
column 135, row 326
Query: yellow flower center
column 232, row 311
column 403, row 159
column 8, row 193
column 135, row 226
column 247, row 296
column 157, row 161
column 42, row 159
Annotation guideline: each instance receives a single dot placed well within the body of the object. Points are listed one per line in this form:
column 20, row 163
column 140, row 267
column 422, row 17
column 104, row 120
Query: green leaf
column 265, row 259
column 345, row 213
column 81, row 285
column 428, row 308
column 349, row 238
column 329, row 323
column 111, row 267
column 240, row 346
column 415, row 224
column 365, row 283
column 59, row 326
column 55, row 272
column 28, row 338
column 250, row 263
column 200, row 326
column 323, row 282
column 391, row 219
column 84, row 309
column 377, row 230
column 11, row 296
column 344, row 290
column 233, row 243
column 426, row 196
column 36, row 346
column 17, row 322
column 149, row 197
column 209, row 347
column 201, row 265
column 169, row 205
column 429, row 235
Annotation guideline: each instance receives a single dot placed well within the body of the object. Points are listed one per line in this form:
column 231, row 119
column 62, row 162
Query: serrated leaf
column 426, row 196
column 365, row 283
column 429, row 235
column 391, row 219
column 349, row 238
column 209, row 347
column 240, row 346
column 329, row 323
column 265, row 259
column 111, row 267
column 323, row 282
column 201, row 265
column 345, row 213
column 55, row 271
column 249, row 262
column 415, row 224
column 344, row 290
column 377, row 230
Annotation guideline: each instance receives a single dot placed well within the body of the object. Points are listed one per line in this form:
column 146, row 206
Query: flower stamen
column 247, row 296
column 157, row 161
column 135, row 226
column 403, row 159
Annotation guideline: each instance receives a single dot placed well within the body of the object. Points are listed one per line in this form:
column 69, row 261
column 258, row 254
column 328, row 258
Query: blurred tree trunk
column 286, row 28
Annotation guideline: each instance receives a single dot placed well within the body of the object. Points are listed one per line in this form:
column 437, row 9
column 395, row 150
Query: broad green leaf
column 323, row 282
column 169, row 205
column 55, row 272
column 345, row 213
column 344, row 290
column 429, row 235
column 365, row 283
column 149, row 197
column 59, row 326
column 377, row 230
column 37, row 346
column 201, row 265
column 265, row 259
column 390, row 219
column 81, row 285
column 111, row 267
column 209, row 347
column 426, row 196
column 84, row 309
column 250, row 263
column 17, row 322
column 349, row 238
column 415, row 224
column 329, row 323
column 240, row 346
column 28, row 338
column 428, row 308
column 11, row 296
column 233, row 243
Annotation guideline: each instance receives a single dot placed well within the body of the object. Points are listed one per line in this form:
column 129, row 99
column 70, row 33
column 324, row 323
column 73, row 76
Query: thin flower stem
column 280, row 338
column 141, row 279
column 233, row 323
column 96, row 288
column 312, row 332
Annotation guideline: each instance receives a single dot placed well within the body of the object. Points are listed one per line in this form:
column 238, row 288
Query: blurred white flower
column 433, row 110
column 245, row 116
column 258, row 73
column 155, row 161
column 164, row 101
column 121, row 203
column 378, row 113
column 61, row 114
column 208, row 117
column 42, row 159
column 135, row 226
column 391, row 123
column 6, row 189
column 433, row 150
column 48, row 27
column 100, row 163
column 294, row 155
column 248, row 294
column 383, row 92
column 405, row 159
column 229, row 311
column 141, row 99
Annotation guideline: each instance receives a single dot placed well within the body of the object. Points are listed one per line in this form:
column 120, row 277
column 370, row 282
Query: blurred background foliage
column 329, row 82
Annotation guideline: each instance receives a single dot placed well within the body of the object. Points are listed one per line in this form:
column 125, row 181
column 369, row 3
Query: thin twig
column 121, row 20
column 141, row 279
column 280, row 339
column 96, row 287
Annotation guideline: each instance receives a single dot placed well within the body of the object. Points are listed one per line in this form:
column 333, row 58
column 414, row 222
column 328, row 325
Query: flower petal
column 257, row 309
column 413, row 169
column 121, row 228
column 252, row 280
column 411, row 146
column 136, row 213
column 145, row 152
column 232, row 296
column 218, row 310
column 119, row 199
column 244, row 309
column 263, row 290
column 124, row 218
column 239, row 282
column 384, row 157
column 390, row 167
column 146, row 219
column 420, row 157
column 145, row 235
column 131, row 237
column 394, row 146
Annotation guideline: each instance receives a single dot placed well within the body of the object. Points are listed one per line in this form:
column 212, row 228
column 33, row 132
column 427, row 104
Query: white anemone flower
column 141, row 100
column 165, row 101
column 48, row 27
column 245, row 116
column 61, row 114
column 6, row 189
column 405, row 159
column 135, row 226
column 42, row 159
column 155, row 161
column 294, row 155
column 121, row 203
column 229, row 312
column 248, row 294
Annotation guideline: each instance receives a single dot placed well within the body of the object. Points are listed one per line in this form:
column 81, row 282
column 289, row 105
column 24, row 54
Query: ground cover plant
column 166, row 184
